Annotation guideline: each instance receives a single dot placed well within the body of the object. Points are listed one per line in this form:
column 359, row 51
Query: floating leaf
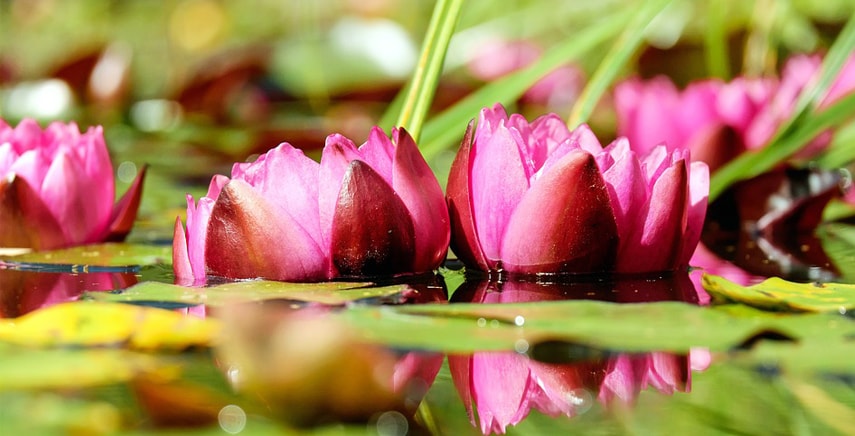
column 27, row 368
column 778, row 294
column 108, row 324
column 92, row 258
column 332, row 293
column 664, row 326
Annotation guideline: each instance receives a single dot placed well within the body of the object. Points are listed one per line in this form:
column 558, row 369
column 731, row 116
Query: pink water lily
column 537, row 198
column 58, row 188
column 716, row 120
column 372, row 210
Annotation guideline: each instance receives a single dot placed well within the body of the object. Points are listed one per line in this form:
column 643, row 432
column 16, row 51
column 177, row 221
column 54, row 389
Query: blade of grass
column 426, row 76
column 628, row 42
column 715, row 40
column 751, row 164
column 447, row 127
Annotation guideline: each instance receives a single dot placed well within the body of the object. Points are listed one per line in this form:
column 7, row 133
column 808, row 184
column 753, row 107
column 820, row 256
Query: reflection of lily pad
column 91, row 258
column 334, row 293
column 778, row 294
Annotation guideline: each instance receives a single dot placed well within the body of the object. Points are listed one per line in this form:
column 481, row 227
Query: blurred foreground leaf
column 92, row 258
column 332, row 293
column 665, row 326
column 91, row 324
column 778, row 294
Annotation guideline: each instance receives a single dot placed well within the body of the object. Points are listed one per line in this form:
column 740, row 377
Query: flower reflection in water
column 23, row 291
column 561, row 378
column 304, row 366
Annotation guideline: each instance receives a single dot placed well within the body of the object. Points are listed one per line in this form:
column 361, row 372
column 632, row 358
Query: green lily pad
column 664, row 326
column 778, row 294
column 92, row 258
column 332, row 293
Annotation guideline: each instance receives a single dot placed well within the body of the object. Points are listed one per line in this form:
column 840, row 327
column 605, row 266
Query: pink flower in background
column 497, row 58
column 58, row 188
column 717, row 121
column 536, row 198
column 372, row 210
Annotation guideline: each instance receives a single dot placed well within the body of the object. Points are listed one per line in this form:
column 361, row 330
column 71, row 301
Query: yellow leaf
column 91, row 324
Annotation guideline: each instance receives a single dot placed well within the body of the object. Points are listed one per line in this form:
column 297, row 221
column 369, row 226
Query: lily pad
column 92, row 258
column 332, row 293
column 664, row 326
column 92, row 323
column 779, row 294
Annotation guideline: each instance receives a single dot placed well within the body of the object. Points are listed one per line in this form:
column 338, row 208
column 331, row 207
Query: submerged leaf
column 332, row 293
column 93, row 324
column 778, row 294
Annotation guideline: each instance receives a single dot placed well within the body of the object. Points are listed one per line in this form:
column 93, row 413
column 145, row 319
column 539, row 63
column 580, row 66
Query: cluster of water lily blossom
column 522, row 197
column 58, row 189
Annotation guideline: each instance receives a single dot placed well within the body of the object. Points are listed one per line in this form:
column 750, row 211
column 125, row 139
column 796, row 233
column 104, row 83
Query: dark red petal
column 565, row 223
column 125, row 210
column 464, row 238
column 372, row 232
column 248, row 238
column 25, row 220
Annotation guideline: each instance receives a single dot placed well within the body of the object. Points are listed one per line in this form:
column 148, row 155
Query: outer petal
column 248, row 238
column 465, row 243
column 289, row 181
column 125, row 210
column 180, row 255
column 64, row 192
column 379, row 152
column 500, row 404
column 372, row 232
column 416, row 186
column 659, row 245
column 564, row 224
column 627, row 188
column 699, row 190
column 25, row 220
column 335, row 161
column 494, row 152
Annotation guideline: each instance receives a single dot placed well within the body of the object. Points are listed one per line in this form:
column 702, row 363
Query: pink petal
column 198, row 217
column 658, row 247
column 564, row 224
column 125, row 211
column 699, row 189
column 372, row 232
column 416, row 185
column 465, row 242
column 25, row 220
column 498, row 403
column 627, row 191
column 460, row 368
column 335, row 161
column 289, row 181
column 180, row 256
column 495, row 151
column 248, row 238
column 379, row 152
column 64, row 192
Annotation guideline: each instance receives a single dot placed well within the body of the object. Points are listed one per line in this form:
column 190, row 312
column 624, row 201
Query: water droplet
column 232, row 419
column 494, row 323
column 581, row 400
column 521, row 346
column 519, row 320
column 482, row 322
column 392, row 423
column 842, row 310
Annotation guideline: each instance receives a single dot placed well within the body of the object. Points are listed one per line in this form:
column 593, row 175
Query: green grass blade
column 628, row 42
column 715, row 40
column 447, row 127
column 426, row 76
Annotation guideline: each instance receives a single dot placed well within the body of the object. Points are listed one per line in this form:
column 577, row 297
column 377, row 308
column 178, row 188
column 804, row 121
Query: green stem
column 614, row 61
column 426, row 76
column 715, row 40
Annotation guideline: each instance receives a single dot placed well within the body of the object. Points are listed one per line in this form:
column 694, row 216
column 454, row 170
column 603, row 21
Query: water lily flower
column 716, row 120
column 372, row 210
column 58, row 188
column 537, row 198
